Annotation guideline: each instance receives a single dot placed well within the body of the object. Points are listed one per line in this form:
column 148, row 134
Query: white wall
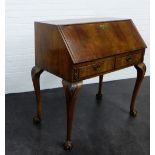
column 20, row 17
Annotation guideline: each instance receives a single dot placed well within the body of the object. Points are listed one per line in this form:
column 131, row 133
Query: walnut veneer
column 75, row 50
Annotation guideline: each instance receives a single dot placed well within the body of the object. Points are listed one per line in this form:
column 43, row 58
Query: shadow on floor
column 100, row 128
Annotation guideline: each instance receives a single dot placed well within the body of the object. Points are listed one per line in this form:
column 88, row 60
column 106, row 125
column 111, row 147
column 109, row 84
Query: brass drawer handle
column 129, row 59
column 97, row 67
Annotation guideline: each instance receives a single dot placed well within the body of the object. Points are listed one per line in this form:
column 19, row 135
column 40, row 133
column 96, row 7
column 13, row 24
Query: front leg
column 71, row 91
column 141, row 69
column 99, row 94
column 35, row 73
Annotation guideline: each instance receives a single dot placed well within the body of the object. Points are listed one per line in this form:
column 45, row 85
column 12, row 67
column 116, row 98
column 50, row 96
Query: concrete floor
column 99, row 128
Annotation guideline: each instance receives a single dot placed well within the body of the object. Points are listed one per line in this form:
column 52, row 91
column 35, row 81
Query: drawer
column 93, row 69
column 129, row 59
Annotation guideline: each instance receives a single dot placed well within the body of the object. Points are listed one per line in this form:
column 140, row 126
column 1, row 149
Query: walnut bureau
column 75, row 50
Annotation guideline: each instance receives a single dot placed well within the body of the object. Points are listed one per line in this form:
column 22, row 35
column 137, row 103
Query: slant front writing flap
column 92, row 41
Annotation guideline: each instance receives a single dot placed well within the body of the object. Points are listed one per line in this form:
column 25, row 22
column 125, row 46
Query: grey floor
column 100, row 128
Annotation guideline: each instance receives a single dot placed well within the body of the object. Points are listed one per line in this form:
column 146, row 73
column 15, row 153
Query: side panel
column 51, row 53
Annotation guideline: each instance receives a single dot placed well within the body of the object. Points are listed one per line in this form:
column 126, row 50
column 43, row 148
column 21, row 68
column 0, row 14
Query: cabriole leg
column 141, row 69
column 99, row 94
column 71, row 91
column 35, row 74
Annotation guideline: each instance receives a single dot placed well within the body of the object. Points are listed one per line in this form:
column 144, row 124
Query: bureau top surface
column 80, row 21
column 94, row 38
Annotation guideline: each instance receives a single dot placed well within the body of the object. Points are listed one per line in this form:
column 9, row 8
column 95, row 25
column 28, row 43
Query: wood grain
column 51, row 54
column 35, row 74
column 71, row 92
column 76, row 52
column 141, row 69
column 98, row 40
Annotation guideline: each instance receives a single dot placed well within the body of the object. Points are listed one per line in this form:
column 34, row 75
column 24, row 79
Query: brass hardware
column 129, row 59
column 76, row 74
column 97, row 67
column 102, row 27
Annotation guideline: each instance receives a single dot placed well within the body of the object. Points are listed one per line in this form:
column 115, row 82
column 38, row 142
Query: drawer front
column 94, row 68
column 129, row 59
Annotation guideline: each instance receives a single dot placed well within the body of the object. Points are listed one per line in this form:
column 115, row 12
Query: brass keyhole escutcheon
column 102, row 26
column 129, row 59
column 96, row 67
